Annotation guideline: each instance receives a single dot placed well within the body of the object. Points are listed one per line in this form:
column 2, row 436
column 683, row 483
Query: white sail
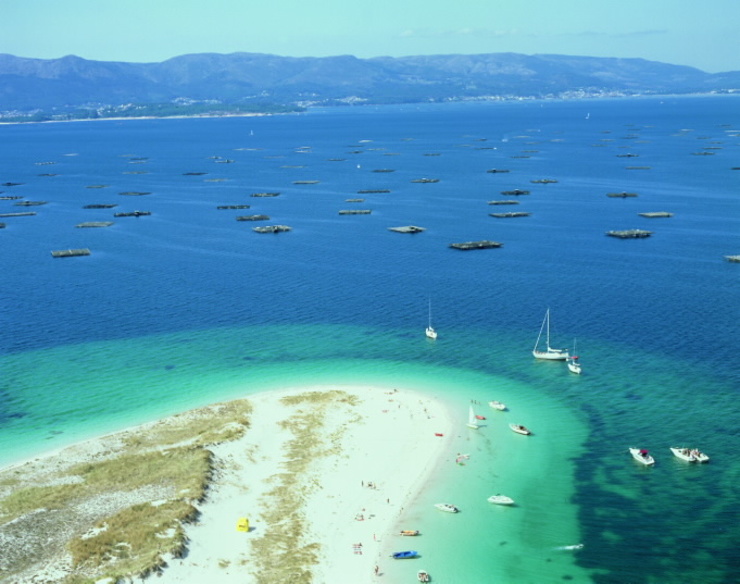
column 430, row 332
column 549, row 352
column 472, row 420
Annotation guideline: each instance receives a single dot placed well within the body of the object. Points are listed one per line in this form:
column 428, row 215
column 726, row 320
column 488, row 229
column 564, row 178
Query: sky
column 700, row 34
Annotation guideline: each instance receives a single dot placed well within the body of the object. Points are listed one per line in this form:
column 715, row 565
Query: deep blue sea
column 189, row 306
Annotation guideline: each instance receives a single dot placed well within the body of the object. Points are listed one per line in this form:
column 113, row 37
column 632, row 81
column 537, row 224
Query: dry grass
column 283, row 554
column 101, row 512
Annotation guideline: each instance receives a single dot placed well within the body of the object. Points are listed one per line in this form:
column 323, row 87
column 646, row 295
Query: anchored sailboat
column 472, row 420
column 572, row 362
column 430, row 332
column 549, row 353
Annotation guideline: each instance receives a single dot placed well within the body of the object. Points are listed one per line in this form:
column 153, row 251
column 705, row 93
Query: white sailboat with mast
column 549, row 353
column 472, row 420
column 572, row 362
column 430, row 332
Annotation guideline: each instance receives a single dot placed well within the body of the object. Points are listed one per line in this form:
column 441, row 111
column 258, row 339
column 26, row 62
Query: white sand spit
column 369, row 461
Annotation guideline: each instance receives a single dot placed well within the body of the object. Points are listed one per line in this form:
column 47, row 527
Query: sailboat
column 572, row 362
column 472, row 420
column 549, row 353
column 430, row 332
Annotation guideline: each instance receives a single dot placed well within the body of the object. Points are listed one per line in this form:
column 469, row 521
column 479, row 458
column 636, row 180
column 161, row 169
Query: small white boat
column 500, row 500
column 472, row 419
column 549, row 353
column 423, row 576
column 519, row 429
column 447, row 508
column 642, row 456
column 690, row 454
column 430, row 332
column 572, row 362
column 497, row 405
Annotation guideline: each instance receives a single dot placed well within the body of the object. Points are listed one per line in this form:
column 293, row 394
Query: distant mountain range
column 249, row 78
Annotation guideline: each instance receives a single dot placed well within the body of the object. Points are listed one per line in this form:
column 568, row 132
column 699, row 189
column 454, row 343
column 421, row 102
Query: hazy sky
column 703, row 34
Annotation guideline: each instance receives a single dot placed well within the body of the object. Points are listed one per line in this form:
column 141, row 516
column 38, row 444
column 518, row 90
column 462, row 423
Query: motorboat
column 423, row 576
column 549, row 353
column 519, row 429
column 410, row 532
column 447, row 508
column 642, row 456
column 497, row 405
column 405, row 555
column 690, row 454
column 500, row 500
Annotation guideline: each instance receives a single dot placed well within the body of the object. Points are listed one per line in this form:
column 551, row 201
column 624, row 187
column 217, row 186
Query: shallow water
column 189, row 306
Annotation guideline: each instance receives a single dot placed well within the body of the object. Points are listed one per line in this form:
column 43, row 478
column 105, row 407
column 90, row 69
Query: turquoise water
column 188, row 306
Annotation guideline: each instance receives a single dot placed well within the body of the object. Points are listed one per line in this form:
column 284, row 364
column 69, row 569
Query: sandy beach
column 323, row 475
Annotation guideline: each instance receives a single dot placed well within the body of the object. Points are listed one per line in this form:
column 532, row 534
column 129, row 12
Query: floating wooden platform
column 253, row 218
column 483, row 244
column 272, row 229
column 70, row 253
column 305, row 182
column 497, row 170
column 264, row 194
column 384, row 170
column 95, row 224
column 543, row 181
column 407, row 229
column 504, row 202
column 656, row 214
column 100, row 206
column 354, row 200
column 22, row 214
column 507, row 215
column 133, row 214
column 134, row 193
column 370, row 191
column 622, row 195
column 630, row 234
column 515, row 192
column 29, row 203
column 425, row 180
column 355, row 212
column 233, row 207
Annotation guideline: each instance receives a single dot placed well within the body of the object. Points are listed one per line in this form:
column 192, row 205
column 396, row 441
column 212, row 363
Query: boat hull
column 519, row 429
column 500, row 500
column 551, row 355
column 497, row 405
column 645, row 459
column 689, row 455
column 447, row 508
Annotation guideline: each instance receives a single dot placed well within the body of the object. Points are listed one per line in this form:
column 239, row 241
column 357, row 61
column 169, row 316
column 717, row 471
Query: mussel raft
column 483, row 244
column 630, row 234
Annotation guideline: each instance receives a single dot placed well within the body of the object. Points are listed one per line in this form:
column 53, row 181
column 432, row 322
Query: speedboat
column 500, row 500
column 642, row 456
column 410, row 532
column 690, row 454
column 404, row 555
column 497, row 405
column 447, row 507
column 423, row 576
column 519, row 429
